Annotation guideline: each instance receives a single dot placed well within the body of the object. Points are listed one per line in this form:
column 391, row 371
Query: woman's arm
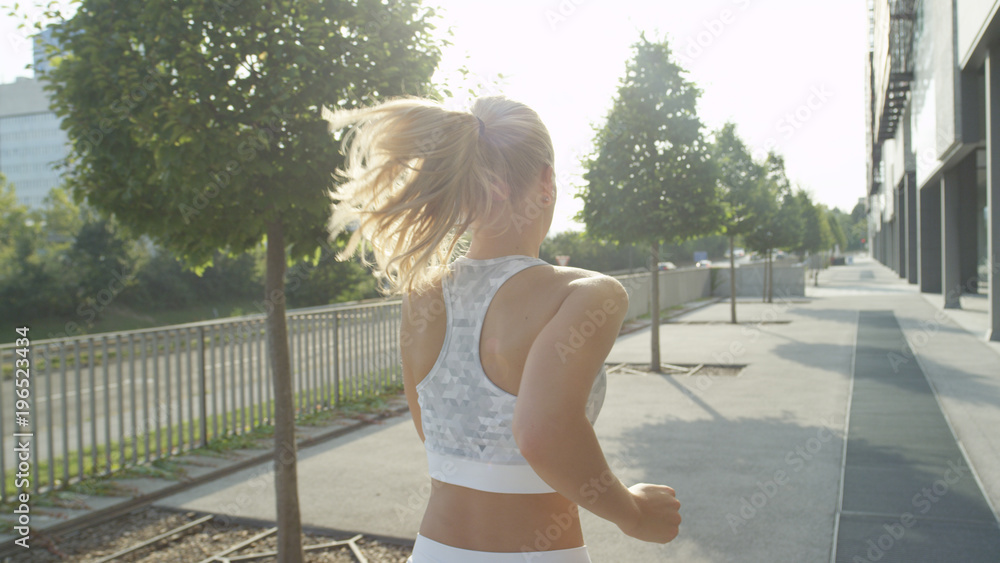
column 550, row 423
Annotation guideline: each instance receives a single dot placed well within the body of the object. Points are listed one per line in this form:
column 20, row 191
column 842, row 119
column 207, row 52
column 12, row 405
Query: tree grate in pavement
column 754, row 323
column 908, row 493
column 712, row 370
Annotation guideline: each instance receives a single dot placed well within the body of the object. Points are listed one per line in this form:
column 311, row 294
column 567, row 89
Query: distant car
column 703, row 264
column 667, row 266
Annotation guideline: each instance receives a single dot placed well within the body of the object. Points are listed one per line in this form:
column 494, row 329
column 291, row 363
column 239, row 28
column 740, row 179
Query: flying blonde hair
column 416, row 176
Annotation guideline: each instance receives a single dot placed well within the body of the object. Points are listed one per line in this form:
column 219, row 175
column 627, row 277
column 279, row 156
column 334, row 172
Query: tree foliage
column 651, row 178
column 196, row 122
column 816, row 235
column 743, row 190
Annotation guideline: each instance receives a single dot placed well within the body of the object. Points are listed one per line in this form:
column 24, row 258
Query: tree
column 771, row 227
column 836, row 233
column 742, row 194
column 787, row 216
column 34, row 279
column 816, row 235
column 586, row 252
column 857, row 227
column 651, row 178
column 198, row 123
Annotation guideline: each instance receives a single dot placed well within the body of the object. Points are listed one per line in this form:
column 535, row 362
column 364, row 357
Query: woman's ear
column 547, row 184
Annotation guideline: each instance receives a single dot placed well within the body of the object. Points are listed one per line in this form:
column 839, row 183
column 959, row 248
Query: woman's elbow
column 540, row 439
column 533, row 440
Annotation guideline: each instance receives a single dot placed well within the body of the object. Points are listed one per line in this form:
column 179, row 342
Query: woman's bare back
column 469, row 518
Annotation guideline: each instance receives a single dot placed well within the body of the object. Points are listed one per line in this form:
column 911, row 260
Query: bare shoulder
column 592, row 288
column 425, row 298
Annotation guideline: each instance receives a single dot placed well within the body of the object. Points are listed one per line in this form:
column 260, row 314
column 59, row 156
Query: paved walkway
column 757, row 459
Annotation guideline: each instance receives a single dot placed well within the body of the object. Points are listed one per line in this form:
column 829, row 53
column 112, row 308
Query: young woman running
column 503, row 354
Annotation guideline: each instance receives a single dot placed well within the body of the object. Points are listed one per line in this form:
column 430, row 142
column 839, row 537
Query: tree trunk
column 770, row 280
column 285, row 473
column 763, row 288
column 654, row 314
column 732, row 280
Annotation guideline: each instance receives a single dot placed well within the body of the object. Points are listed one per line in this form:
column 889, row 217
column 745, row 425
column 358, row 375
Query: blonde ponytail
column 417, row 176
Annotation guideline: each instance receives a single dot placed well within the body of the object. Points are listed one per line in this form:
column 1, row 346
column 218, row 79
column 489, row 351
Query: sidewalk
column 756, row 459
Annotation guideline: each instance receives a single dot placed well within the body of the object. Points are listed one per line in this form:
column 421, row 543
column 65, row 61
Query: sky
column 788, row 73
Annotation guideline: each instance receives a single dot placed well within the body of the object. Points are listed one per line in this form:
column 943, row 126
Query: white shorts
column 426, row 550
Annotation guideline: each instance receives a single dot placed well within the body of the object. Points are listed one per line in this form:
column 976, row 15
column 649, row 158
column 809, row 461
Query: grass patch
column 370, row 403
column 244, row 441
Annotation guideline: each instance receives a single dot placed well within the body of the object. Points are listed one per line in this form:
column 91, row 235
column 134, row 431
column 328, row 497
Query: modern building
column 933, row 115
column 31, row 141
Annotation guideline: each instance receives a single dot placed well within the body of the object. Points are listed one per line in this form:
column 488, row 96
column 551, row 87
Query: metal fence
column 100, row 403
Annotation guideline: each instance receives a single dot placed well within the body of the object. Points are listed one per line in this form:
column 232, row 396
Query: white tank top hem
column 485, row 476
column 426, row 550
column 465, row 417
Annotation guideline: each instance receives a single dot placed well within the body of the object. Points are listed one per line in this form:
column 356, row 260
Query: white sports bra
column 465, row 417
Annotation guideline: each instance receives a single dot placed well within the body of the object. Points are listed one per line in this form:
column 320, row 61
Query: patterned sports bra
column 466, row 418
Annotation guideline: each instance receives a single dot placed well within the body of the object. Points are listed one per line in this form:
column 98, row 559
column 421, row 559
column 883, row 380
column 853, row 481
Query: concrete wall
column 788, row 281
column 678, row 287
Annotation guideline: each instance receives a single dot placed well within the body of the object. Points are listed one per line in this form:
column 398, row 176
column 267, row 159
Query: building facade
column 31, row 140
column 933, row 116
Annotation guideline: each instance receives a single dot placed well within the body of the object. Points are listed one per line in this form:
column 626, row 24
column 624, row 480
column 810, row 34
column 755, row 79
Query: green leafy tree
column 198, row 123
column 104, row 263
column 588, row 252
column 34, row 279
column 329, row 281
column 743, row 194
column 837, row 236
column 651, row 179
column 816, row 229
column 816, row 236
column 772, row 228
column 857, row 231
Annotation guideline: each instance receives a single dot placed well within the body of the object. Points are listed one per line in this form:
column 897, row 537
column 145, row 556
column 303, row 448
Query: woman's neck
column 484, row 248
